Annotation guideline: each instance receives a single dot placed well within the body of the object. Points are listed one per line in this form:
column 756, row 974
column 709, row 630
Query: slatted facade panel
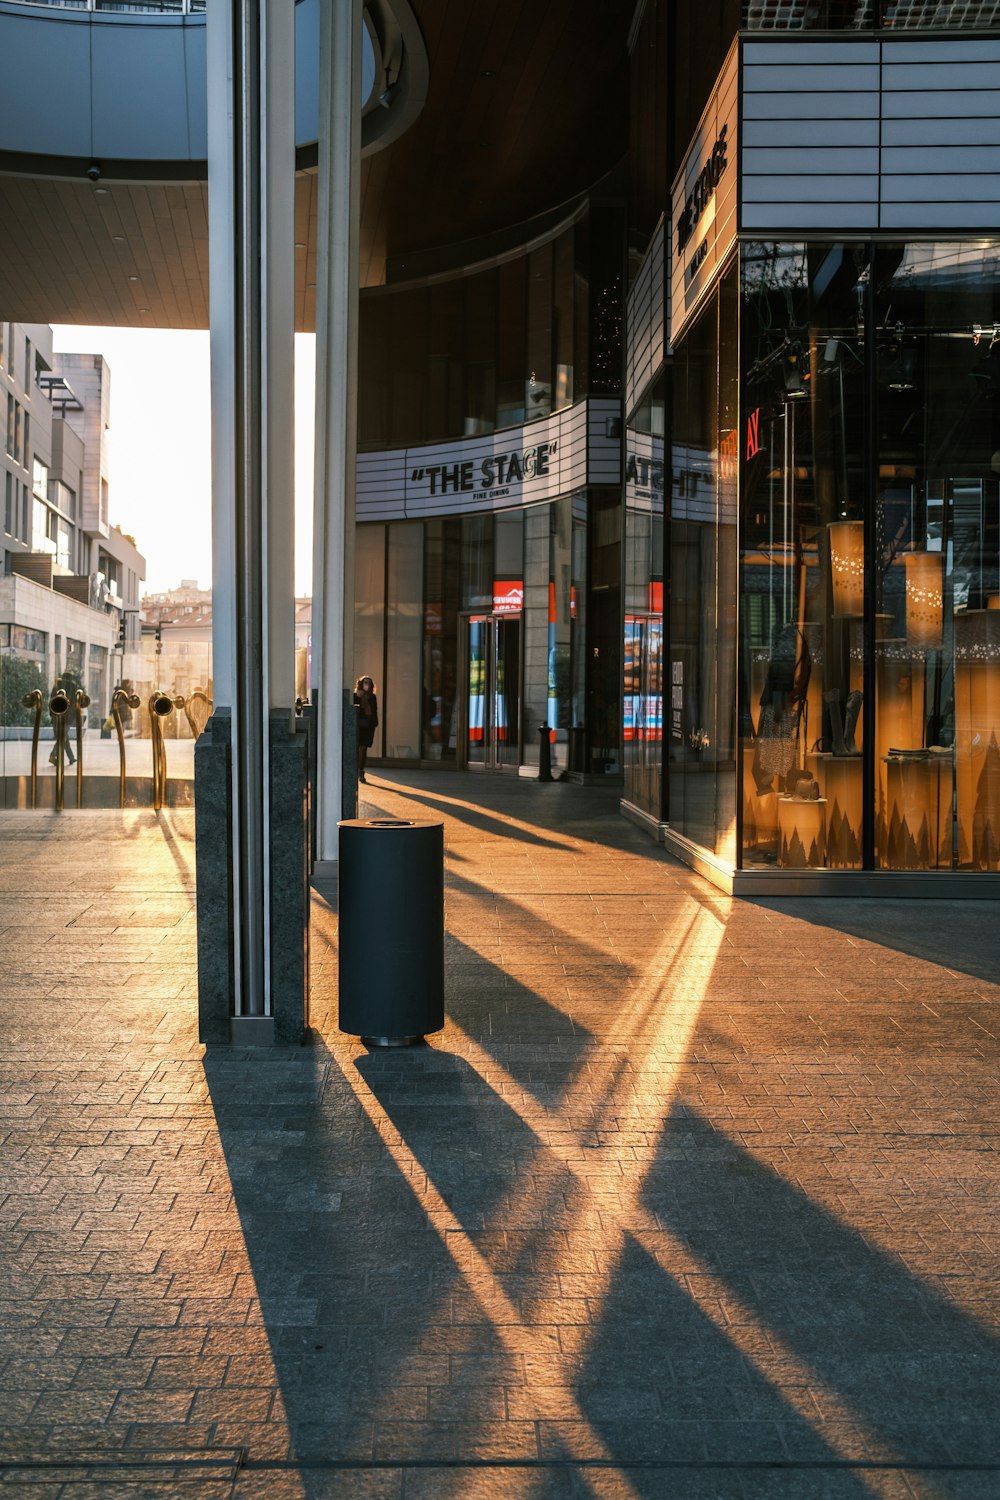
column 645, row 321
column 604, row 462
column 572, row 467
column 940, row 135
column 870, row 135
column 810, row 142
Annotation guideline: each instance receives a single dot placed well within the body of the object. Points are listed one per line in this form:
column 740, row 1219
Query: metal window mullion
column 869, row 768
column 248, row 725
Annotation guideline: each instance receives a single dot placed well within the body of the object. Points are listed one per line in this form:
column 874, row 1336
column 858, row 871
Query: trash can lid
column 391, row 823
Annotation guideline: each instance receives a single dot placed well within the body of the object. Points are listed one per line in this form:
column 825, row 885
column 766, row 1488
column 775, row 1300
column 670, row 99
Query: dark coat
column 367, row 717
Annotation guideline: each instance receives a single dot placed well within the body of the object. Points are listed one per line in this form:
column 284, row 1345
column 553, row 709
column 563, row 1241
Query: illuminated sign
column 753, row 434
column 508, row 598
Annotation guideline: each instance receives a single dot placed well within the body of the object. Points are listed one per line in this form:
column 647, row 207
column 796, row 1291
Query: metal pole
column 336, row 397
column 81, row 702
column 34, row 700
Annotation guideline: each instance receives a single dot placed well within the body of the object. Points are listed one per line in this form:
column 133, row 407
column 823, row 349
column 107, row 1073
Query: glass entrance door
column 493, row 692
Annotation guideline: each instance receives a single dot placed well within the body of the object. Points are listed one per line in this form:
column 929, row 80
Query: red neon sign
column 753, row 434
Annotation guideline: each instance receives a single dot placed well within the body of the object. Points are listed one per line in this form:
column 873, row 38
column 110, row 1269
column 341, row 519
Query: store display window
column 937, row 584
column 802, row 554
column 869, row 703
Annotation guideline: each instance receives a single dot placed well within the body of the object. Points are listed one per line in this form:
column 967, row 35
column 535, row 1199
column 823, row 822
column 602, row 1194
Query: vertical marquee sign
column 703, row 201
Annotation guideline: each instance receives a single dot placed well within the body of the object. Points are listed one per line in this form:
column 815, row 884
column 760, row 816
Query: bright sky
column 160, row 481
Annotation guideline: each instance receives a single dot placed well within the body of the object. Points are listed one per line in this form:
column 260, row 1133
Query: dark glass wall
column 462, row 356
column 802, row 545
column 604, row 633
column 936, row 580
column 700, row 683
column 642, row 709
column 870, row 556
column 650, row 161
column 496, row 623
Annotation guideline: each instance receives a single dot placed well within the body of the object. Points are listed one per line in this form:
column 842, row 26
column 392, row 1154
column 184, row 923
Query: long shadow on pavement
column 416, row 1248
column 561, row 812
column 651, row 1382
column 960, row 935
column 874, row 1341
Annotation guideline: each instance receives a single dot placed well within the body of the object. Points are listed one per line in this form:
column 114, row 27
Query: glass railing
column 869, row 15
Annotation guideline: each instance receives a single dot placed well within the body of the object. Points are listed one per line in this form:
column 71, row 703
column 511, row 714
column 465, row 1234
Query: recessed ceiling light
column 119, row 239
column 144, row 309
column 101, row 192
column 133, row 278
column 300, row 244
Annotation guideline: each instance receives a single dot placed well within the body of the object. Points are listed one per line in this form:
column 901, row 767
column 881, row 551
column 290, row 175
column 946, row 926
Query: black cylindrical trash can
column 391, row 920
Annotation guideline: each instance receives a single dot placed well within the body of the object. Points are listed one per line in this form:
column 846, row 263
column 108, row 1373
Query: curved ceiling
column 525, row 108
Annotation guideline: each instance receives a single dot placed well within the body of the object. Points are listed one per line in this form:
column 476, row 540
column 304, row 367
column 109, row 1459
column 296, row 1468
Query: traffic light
column 159, row 637
column 122, row 631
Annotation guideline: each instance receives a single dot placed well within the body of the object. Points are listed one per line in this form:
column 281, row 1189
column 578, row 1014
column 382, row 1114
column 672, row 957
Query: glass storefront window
column 401, row 711
column 802, row 552
column 369, row 615
column 699, row 681
column 642, row 727
column 937, row 584
column 870, row 556
column 477, row 562
column 442, row 605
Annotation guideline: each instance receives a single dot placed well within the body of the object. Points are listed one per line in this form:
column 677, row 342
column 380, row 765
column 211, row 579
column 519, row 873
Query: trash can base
column 391, row 1041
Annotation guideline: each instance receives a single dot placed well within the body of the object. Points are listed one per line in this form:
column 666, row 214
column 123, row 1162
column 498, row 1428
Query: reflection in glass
column 938, row 526
column 476, row 691
column 493, row 691
column 442, row 602
column 802, row 555
column 700, row 671
column 400, row 705
column 643, row 625
column 507, row 689
column 369, row 616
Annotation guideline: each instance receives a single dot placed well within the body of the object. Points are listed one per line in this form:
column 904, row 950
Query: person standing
column 367, row 701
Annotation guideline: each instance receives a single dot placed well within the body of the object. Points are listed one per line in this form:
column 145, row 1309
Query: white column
column 250, row 53
column 222, row 318
column 278, row 340
column 336, row 396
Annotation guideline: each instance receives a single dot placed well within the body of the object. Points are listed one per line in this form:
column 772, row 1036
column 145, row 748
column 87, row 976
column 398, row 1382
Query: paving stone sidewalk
column 692, row 1198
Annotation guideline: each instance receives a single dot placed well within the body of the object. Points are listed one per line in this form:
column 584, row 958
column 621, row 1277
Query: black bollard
column 544, row 753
